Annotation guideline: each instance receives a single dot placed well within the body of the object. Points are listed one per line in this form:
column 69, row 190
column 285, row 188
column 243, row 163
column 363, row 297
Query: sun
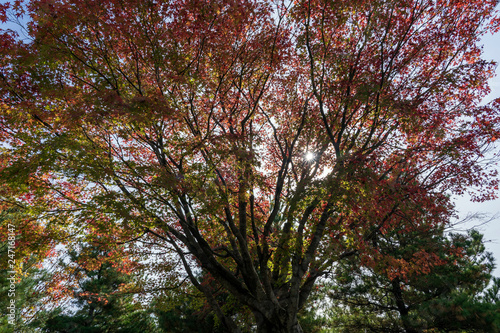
column 309, row 156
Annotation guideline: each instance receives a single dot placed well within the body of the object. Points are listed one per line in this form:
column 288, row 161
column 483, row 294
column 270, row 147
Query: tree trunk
column 402, row 308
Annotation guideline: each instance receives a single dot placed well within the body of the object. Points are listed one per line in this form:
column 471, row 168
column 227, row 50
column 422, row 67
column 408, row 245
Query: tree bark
column 402, row 308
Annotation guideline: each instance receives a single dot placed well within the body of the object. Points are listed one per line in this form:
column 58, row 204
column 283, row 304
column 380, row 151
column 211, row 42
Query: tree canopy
column 260, row 142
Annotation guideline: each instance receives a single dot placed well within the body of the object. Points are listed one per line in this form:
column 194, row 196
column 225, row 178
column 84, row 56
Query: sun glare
column 309, row 156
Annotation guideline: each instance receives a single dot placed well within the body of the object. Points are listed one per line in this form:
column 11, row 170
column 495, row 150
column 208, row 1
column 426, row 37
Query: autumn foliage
column 176, row 133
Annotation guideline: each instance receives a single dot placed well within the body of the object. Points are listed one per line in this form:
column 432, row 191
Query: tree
column 186, row 313
column 259, row 141
column 100, row 299
column 184, row 309
column 21, row 280
column 445, row 298
column 185, row 317
column 23, row 289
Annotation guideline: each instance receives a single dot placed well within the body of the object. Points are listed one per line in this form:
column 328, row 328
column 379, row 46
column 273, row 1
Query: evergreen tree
column 21, row 279
column 184, row 309
column 101, row 305
column 186, row 315
column 23, row 288
column 444, row 298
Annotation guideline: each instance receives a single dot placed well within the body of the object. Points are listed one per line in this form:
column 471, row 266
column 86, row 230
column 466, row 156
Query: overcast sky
column 490, row 230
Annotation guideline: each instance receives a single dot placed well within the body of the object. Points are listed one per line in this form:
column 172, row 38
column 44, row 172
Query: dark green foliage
column 25, row 296
column 186, row 310
column 120, row 318
column 20, row 279
column 492, row 295
column 187, row 317
column 447, row 298
column 101, row 305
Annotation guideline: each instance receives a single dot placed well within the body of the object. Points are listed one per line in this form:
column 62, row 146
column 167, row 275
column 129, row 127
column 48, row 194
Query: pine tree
column 446, row 297
column 100, row 303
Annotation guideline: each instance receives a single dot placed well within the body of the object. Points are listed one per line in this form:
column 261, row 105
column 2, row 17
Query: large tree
column 259, row 141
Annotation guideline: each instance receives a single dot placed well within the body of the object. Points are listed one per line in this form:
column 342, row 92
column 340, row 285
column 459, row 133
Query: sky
column 490, row 209
column 491, row 230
